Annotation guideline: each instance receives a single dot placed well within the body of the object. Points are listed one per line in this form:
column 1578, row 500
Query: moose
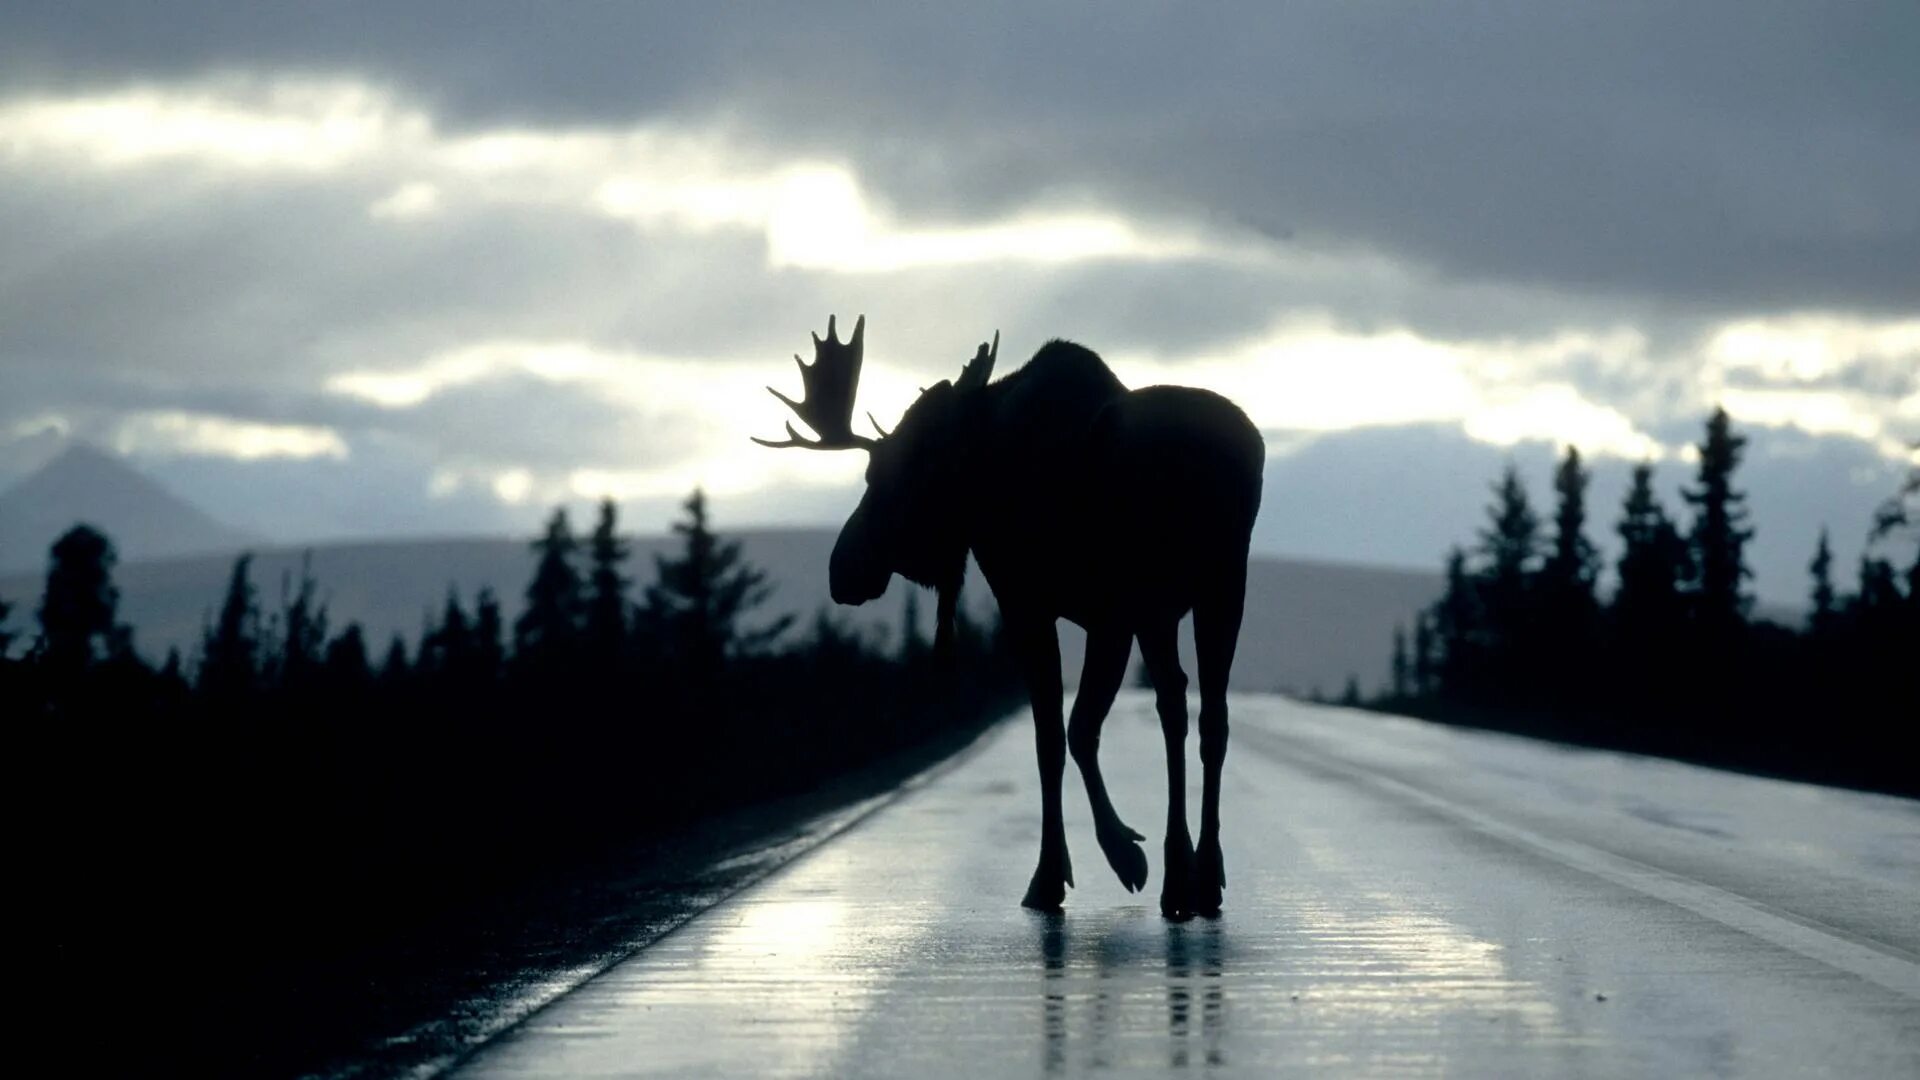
column 1119, row 510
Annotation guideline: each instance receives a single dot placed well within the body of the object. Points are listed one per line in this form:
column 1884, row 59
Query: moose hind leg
column 1159, row 648
column 1106, row 666
column 1216, row 630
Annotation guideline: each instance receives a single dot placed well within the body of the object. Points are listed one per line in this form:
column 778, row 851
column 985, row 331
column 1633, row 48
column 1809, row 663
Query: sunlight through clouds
column 285, row 124
column 188, row 434
column 1308, row 377
column 1822, row 374
column 813, row 214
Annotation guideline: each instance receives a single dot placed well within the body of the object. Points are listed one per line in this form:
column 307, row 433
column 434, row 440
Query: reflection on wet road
column 1402, row 900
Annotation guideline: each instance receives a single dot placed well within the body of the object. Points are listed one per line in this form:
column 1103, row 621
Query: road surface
column 1402, row 899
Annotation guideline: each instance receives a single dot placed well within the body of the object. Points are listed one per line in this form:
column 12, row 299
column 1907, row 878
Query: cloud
column 1307, row 375
column 504, row 266
column 415, row 199
column 279, row 124
column 171, row 433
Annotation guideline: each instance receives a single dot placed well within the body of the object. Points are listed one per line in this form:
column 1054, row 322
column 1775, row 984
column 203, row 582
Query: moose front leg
column 1106, row 666
column 1039, row 652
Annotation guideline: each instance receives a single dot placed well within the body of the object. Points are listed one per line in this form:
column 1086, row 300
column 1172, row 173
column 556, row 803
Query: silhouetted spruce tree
column 1572, row 565
column 550, row 626
column 1821, row 607
column 1458, row 633
column 348, row 670
column 1879, row 592
column 1647, row 618
column 447, row 651
column 607, row 624
column 1425, row 664
column 1654, row 560
column 1509, row 545
column 395, row 670
column 1719, row 536
column 701, row 595
column 6, row 636
column 489, row 644
column 230, row 650
column 1569, row 609
column 77, row 610
column 303, row 630
column 1401, row 684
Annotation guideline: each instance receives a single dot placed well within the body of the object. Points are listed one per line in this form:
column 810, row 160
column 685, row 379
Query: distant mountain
column 83, row 484
column 1308, row 625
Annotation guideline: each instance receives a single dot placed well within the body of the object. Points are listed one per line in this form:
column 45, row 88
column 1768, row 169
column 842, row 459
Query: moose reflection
column 1120, row 510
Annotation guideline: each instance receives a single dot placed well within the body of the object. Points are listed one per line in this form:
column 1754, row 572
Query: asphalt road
column 1402, row 899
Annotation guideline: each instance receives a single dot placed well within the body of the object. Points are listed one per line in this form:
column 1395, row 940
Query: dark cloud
column 1722, row 155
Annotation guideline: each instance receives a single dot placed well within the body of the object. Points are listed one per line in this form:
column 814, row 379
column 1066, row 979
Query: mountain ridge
column 83, row 483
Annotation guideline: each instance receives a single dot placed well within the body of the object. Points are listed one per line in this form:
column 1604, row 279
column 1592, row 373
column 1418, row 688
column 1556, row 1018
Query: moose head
column 911, row 520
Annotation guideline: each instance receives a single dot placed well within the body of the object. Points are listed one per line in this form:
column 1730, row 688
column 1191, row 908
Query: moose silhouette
column 1120, row 510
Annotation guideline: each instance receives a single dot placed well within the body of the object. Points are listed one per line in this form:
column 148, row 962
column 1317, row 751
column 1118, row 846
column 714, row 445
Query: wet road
column 1402, row 899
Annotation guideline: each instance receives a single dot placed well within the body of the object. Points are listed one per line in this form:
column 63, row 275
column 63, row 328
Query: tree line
column 1672, row 659
column 290, row 774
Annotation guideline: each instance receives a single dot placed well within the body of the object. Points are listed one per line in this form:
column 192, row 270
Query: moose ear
column 979, row 369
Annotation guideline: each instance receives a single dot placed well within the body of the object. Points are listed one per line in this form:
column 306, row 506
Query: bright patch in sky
column 285, row 124
column 175, row 433
column 1306, row 376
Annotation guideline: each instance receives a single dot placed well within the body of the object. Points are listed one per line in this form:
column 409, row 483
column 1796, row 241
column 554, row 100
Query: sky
column 353, row 269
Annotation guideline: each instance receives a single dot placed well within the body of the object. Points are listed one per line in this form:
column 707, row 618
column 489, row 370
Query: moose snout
column 855, row 574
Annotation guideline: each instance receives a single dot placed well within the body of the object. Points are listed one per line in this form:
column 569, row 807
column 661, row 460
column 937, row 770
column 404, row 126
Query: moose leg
column 1216, row 630
column 1039, row 652
column 1159, row 648
column 1106, row 666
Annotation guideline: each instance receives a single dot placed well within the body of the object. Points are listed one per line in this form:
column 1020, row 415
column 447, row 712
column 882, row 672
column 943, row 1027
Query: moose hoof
column 1209, row 878
column 1177, row 882
column 1121, row 845
column 1048, row 888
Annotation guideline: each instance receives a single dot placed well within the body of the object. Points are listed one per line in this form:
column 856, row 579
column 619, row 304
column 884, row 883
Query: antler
column 979, row 369
column 828, row 385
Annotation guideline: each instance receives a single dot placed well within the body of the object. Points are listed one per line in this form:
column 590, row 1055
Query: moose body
column 1119, row 510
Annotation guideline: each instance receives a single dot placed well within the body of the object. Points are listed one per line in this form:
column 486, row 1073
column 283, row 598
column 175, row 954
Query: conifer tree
column 6, row 636
column 1653, row 559
column 551, row 623
column 1509, row 545
column 230, row 651
column 1424, row 666
column 701, row 596
column 1402, row 676
column 1572, row 564
column 1719, row 536
column 394, row 668
column 489, row 646
column 1457, row 629
column 447, row 650
column 303, row 629
column 607, row 627
column 348, row 669
column 1821, row 609
column 78, row 608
